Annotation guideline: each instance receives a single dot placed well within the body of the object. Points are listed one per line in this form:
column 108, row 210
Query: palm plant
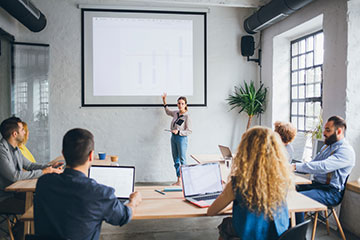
column 248, row 99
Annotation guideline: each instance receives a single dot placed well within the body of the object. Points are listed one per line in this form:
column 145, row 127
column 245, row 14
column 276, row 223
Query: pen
column 159, row 192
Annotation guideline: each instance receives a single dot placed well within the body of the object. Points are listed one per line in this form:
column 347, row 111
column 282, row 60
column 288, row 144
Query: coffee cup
column 114, row 158
column 102, row 155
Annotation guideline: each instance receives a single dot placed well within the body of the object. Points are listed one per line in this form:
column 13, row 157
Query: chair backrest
column 296, row 233
column 43, row 237
column 342, row 193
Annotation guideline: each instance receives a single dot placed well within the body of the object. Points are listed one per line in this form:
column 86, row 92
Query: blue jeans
column 178, row 149
column 324, row 194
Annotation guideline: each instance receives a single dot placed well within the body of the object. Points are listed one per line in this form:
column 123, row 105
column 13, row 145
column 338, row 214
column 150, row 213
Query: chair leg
column 314, row 227
column 327, row 222
column 10, row 228
column 338, row 224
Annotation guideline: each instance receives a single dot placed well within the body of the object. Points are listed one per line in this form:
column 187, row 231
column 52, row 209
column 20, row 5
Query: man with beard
column 12, row 165
column 330, row 167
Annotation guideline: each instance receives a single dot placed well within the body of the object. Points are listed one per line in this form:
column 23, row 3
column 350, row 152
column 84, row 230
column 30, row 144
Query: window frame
column 314, row 66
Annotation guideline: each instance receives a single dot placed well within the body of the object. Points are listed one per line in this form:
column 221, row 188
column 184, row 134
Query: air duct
column 271, row 13
column 26, row 13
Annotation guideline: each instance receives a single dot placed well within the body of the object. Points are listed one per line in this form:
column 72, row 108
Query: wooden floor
column 203, row 228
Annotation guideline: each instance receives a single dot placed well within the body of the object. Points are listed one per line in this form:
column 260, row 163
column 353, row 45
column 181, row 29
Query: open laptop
column 225, row 152
column 121, row 178
column 201, row 183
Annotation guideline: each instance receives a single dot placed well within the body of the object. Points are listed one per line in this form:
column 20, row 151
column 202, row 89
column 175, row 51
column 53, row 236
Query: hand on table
column 58, row 165
column 52, row 170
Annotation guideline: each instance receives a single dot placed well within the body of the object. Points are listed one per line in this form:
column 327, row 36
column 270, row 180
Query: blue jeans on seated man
column 322, row 193
column 178, row 149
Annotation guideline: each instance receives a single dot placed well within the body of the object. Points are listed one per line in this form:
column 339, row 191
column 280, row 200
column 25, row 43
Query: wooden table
column 173, row 205
column 225, row 171
column 205, row 158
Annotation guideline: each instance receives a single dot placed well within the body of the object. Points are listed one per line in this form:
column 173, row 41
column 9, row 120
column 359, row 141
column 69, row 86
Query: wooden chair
column 333, row 212
column 296, row 233
column 10, row 219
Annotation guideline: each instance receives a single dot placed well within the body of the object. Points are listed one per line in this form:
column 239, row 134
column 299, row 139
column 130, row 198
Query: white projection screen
column 131, row 57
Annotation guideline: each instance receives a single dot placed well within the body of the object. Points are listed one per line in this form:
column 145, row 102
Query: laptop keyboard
column 208, row 197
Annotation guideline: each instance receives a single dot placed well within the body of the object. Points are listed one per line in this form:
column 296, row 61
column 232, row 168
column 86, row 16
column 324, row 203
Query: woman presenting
column 180, row 128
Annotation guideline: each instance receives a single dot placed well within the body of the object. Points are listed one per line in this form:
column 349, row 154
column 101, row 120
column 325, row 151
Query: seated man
column 71, row 205
column 330, row 167
column 13, row 163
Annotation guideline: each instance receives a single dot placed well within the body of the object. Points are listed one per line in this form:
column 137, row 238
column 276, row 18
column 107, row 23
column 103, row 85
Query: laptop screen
column 201, row 179
column 225, row 152
column 121, row 178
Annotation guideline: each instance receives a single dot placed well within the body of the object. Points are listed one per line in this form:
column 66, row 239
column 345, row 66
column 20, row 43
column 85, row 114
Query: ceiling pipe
column 271, row 13
column 26, row 13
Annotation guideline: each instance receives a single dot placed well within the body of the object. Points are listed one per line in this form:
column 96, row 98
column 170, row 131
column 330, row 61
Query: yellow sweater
column 26, row 153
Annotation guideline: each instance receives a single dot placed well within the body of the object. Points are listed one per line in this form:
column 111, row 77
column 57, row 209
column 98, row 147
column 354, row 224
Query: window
column 306, row 56
column 21, row 97
column 30, row 94
column 44, row 98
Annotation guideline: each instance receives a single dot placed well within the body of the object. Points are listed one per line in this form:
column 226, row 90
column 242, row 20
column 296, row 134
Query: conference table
column 173, row 205
column 225, row 171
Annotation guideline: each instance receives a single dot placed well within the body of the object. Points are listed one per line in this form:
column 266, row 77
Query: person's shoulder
column 347, row 146
column 46, row 180
column 100, row 189
column 3, row 145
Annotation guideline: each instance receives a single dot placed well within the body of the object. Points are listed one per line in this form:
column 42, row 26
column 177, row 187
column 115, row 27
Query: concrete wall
column 340, row 23
column 353, row 83
column 5, row 77
column 137, row 134
column 350, row 212
column 335, row 35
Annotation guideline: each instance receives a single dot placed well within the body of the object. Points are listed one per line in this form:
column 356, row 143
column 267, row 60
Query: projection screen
column 131, row 57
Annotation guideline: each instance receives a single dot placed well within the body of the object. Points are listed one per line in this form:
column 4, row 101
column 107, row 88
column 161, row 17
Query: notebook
column 201, row 183
column 121, row 178
column 225, row 152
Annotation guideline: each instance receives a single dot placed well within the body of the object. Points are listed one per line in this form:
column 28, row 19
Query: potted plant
column 248, row 99
column 317, row 132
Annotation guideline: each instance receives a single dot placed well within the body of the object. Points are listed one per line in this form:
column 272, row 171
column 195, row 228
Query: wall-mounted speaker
column 247, row 46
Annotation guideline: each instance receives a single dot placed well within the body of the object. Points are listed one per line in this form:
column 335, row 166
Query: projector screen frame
column 84, row 102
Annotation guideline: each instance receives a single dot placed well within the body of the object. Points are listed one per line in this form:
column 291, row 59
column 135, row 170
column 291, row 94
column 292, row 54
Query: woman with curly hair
column 260, row 179
column 287, row 134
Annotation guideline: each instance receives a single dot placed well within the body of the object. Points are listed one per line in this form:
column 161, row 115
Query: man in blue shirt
column 330, row 167
column 73, row 206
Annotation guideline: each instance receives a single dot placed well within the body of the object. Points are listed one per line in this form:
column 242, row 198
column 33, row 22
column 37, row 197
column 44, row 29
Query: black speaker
column 247, row 46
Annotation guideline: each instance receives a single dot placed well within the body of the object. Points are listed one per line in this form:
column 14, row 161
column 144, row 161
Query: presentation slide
column 130, row 58
column 142, row 57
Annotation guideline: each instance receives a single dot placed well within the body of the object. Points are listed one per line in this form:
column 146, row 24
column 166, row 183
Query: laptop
column 225, row 152
column 121, row 178
column 201, row 183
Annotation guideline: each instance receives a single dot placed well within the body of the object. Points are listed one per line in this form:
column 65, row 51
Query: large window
column 306, row 80
column 30, row 95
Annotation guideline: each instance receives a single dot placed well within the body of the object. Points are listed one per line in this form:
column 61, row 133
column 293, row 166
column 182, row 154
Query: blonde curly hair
column 260, row 171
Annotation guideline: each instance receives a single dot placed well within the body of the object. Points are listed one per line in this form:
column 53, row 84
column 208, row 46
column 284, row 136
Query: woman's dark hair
column 77, row 145
column 185, row 100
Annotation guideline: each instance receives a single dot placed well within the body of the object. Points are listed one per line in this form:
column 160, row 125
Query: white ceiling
column 224, row 3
